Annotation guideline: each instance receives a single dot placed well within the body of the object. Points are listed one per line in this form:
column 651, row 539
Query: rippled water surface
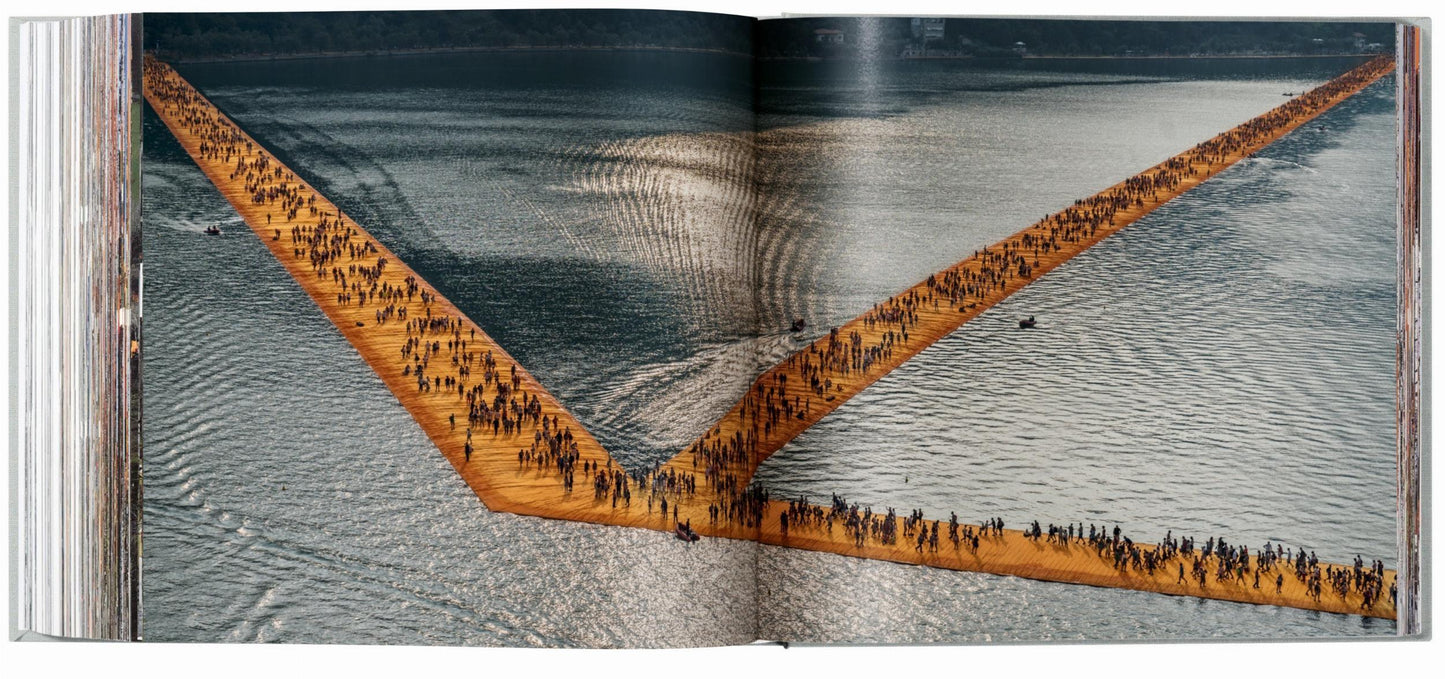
column 1222, row 367
column 594, row 215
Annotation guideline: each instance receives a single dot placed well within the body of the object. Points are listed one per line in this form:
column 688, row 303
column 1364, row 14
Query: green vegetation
column 210, row 36
column 220, row 36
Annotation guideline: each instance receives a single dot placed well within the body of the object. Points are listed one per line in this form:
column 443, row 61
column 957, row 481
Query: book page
column 436, row 302
column 73, row 373
column 1078, row 303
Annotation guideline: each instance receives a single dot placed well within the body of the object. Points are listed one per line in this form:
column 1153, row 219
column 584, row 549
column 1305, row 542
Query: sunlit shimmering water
column 1223, row 367
column 593, row 214
column 589, row 210
column 289, row 497
column 826, row 598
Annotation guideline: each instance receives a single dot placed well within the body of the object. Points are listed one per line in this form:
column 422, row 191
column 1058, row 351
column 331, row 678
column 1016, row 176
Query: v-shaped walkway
column 521, row 451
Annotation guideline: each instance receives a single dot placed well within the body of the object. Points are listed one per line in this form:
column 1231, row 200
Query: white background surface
column 1295, row 660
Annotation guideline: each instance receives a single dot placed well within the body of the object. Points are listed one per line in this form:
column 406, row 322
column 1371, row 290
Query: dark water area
column 289, row 497
column 596, row 213
column 697, row 75
column 847, row 87
column 501, row 181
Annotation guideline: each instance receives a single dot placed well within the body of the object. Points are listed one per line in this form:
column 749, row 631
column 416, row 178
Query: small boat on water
column 798, row 325
column 1026, row 323
column 213, row 230
column 685, row 533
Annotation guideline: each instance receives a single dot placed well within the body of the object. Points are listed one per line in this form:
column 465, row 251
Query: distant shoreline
column 509, row 477
column 1081, row 57
column 341, row 54
column 1217, row 56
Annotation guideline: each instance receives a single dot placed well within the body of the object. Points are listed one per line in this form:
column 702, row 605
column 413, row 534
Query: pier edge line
column 932, row 325
column 518, row 488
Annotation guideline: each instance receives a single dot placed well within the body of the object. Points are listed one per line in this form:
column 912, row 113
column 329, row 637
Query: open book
column 626, row 328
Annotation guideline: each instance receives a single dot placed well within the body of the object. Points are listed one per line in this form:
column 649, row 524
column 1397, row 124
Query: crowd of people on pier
column 1215, row 563
column 439, row 352
column 811, row 382
column 490, row 397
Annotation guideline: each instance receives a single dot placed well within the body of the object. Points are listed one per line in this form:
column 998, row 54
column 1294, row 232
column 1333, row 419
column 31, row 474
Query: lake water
column 593, row 213
column 1222, row 367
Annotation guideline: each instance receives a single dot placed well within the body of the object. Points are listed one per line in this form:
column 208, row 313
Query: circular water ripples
column 684, row 208
column 681, row 206
column 448, row 184
column 290, row 498
column 659, row 220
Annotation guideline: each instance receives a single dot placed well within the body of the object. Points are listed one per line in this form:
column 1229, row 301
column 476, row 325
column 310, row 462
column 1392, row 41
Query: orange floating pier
column 521, row 451
column 786, row 400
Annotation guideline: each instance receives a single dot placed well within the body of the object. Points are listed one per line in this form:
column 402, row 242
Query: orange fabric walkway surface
column 928, row 316
column 521, row 451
